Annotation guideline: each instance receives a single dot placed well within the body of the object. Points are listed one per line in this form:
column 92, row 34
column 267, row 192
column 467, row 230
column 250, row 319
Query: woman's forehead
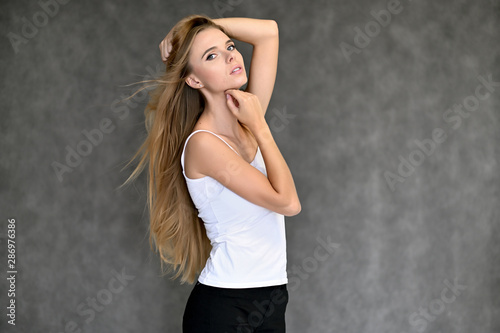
column 208, row 38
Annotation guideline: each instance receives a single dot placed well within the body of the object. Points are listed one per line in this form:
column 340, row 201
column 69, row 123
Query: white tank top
column 248, row 241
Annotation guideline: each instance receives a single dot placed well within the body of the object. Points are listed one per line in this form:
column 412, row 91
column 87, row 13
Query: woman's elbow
column 273, row 28
column 293, row 208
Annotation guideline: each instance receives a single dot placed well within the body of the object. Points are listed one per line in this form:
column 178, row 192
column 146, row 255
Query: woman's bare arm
column 264, row 36
column 276, row 191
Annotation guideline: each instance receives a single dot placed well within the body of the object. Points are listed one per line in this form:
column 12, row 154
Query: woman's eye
column 230, row 48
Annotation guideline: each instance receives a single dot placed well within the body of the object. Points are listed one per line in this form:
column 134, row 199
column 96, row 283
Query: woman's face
column 215, row 62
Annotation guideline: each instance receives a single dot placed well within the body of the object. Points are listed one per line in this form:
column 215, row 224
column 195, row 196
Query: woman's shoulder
column 209, row 140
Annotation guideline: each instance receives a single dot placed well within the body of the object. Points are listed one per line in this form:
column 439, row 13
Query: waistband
column 254, row 289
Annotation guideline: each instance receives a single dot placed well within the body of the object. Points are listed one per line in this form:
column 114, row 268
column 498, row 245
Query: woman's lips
column 238, row 71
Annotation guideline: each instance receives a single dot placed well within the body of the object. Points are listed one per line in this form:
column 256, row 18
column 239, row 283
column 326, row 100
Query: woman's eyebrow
column 214, row 47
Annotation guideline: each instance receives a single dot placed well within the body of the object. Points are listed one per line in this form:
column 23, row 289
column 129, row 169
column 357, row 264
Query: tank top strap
column 185, row 144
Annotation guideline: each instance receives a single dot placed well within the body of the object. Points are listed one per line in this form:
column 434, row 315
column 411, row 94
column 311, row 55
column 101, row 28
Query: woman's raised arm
column 264, row 36
column 277, row 191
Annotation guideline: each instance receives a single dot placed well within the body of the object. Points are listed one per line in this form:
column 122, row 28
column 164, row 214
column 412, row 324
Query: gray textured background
column 349, row 121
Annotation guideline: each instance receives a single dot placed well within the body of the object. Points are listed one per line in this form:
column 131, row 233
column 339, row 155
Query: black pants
column 225, row 310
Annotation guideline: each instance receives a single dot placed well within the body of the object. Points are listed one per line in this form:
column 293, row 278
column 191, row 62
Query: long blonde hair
column 171, row 113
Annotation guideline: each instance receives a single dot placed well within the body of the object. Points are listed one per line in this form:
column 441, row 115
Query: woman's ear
column 193, row 83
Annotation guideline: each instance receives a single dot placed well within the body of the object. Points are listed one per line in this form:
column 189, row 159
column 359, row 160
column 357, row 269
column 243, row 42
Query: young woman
column 219, row 187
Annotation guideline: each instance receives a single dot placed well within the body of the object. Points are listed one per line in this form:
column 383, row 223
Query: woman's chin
column 240, row 84
column 234, row 88
column 236, row 84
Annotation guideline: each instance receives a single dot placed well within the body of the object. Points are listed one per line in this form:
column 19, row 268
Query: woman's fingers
column 243, row 98
column 245, row 106
column 231, row 95
column 239, row 96
column 162, row 52
column 165, row 48
column 230, row 103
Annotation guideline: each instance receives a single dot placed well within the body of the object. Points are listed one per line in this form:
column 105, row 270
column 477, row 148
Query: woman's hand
column 274, row 190
column 166, row 47
column 246, row 107
column 263, row 35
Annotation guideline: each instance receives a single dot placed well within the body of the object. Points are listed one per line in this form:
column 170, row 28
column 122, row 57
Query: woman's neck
column 219, row 117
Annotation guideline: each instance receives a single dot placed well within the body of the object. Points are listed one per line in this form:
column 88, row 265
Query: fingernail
column 227, row 96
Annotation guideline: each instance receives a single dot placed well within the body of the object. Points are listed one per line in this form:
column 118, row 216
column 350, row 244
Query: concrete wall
column 391, row 130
